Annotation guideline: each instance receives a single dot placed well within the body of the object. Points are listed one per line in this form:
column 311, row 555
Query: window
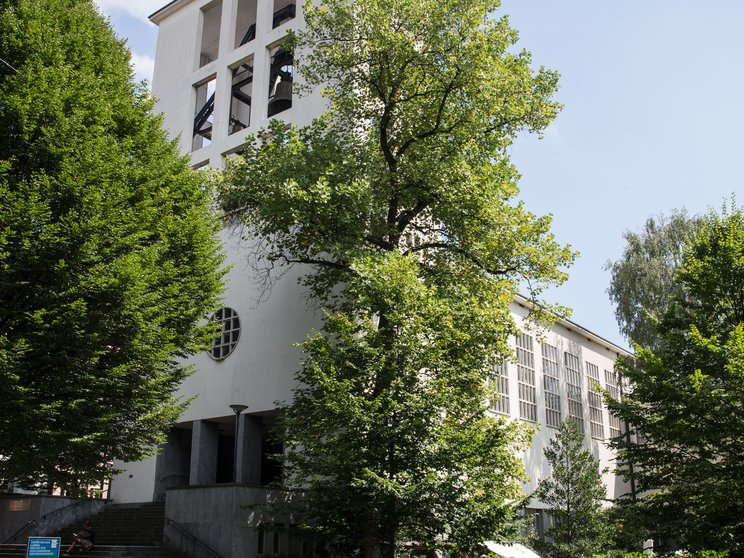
column 269, row 540
column 225, row 343
column 203, row 114
column 526, row 378
column 245, row 22
column 501, row 404
column 595, row 401
column 280, row 80
column 210, row 40
column 612, row 388
column 240, row 103
column 551, row 384
column 283, row 12
column 276, row 540
column 538, row 521
column 572, row 367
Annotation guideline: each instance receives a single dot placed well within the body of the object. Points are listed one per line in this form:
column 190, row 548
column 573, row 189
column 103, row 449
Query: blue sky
column 653, row 120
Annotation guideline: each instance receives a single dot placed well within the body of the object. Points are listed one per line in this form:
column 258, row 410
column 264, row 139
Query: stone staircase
column 99, row 551
column 125, row 524
column 122, row 531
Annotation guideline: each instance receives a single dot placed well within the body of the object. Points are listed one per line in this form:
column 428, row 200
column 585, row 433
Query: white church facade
column 221, row 72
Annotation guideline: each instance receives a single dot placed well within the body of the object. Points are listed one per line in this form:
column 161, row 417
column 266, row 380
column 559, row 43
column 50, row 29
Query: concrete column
column 172, row 464
column 204, row 438
column 223, row 87
column 249, row 450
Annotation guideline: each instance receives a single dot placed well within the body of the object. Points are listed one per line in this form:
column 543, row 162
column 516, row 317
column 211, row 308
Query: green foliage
column 643, row 286
column 687, row 397
column 400, row 202
column 108, row 252
column 573, row 496
column 395, row 437
column 630, row 525
column 681, row 554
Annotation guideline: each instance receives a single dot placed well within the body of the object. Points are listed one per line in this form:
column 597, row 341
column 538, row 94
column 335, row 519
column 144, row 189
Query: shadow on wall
column 24, row 515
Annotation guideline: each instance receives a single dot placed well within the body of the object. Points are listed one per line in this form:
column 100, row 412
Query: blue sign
column 43, row 547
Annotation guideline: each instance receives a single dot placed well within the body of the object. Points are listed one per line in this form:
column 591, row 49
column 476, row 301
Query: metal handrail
column 193, row 537
column 58, row 510
column 31, row 523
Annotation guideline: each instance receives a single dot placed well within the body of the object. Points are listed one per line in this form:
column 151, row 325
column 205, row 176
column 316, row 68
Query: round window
column 224, row 343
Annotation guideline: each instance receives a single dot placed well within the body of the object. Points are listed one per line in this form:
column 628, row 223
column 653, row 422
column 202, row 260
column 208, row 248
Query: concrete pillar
column 204, row 438
column 248, row 457
column 172, row 464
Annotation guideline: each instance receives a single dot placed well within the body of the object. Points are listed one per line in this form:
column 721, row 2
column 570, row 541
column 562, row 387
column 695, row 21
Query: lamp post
column 237, row 409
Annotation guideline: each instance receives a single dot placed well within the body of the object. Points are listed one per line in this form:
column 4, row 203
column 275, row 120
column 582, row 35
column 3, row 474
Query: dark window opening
column 277, row 540
column 283, row 14
column 229, row 335
column 245, row 24
column 210, row 40
column 280, row 81
column 240, row 104
column 204, row 115
column 271, row 466
column 225, row 459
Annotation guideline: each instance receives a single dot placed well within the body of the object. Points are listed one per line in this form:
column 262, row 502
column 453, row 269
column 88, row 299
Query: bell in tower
column 280, row 92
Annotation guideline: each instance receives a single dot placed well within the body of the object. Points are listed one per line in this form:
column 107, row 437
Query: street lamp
column 237, row 409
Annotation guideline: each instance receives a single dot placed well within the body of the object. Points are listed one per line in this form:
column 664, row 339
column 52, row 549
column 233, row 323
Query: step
column 99, row 551
column 124, row 525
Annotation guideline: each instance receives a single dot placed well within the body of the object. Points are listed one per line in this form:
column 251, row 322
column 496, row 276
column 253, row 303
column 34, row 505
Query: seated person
column 85, row 538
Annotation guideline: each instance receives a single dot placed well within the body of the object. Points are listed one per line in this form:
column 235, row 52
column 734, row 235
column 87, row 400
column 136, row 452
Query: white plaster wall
column 135, row 483
column 175, row 61
column 260, row 371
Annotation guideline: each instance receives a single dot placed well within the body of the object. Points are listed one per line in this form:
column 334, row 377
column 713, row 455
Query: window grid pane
column 573, row 384
column 225, row 342
column 501, row 404
column 612, row 388
column 551, row 384
column 595, row 400
column 526, row 378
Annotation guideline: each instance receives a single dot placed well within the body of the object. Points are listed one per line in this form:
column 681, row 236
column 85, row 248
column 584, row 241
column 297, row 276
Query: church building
column 222, row 71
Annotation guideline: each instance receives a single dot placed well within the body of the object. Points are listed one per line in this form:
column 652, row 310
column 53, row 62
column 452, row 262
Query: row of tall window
column 575, row 379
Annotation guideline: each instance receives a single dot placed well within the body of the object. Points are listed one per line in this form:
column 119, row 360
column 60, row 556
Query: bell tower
column 223, row 68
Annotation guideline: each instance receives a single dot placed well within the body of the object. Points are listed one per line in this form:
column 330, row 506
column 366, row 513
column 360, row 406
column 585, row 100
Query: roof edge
column 157, row 16
column 573, row 326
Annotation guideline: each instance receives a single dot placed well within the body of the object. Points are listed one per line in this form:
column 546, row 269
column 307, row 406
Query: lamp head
column 237, row 409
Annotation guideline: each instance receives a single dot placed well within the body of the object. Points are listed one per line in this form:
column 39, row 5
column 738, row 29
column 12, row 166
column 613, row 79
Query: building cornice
column 158, row 16
column 578, row 329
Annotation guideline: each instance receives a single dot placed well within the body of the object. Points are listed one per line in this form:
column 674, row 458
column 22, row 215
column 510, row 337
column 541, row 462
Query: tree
column 686, row 397
column 399, row 203
column 643, row 285
column 573, row 494
column 108, row 252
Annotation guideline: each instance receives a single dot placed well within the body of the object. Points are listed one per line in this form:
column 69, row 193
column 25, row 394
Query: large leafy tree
column 686, row 397
column 643, row 285
column 400, row 203
column 574, row 495
column 108, row 252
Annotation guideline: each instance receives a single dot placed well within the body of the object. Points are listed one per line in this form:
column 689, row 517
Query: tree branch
column 440, row 112
column 462, row 252
column 312, row 261
column 409, row 214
